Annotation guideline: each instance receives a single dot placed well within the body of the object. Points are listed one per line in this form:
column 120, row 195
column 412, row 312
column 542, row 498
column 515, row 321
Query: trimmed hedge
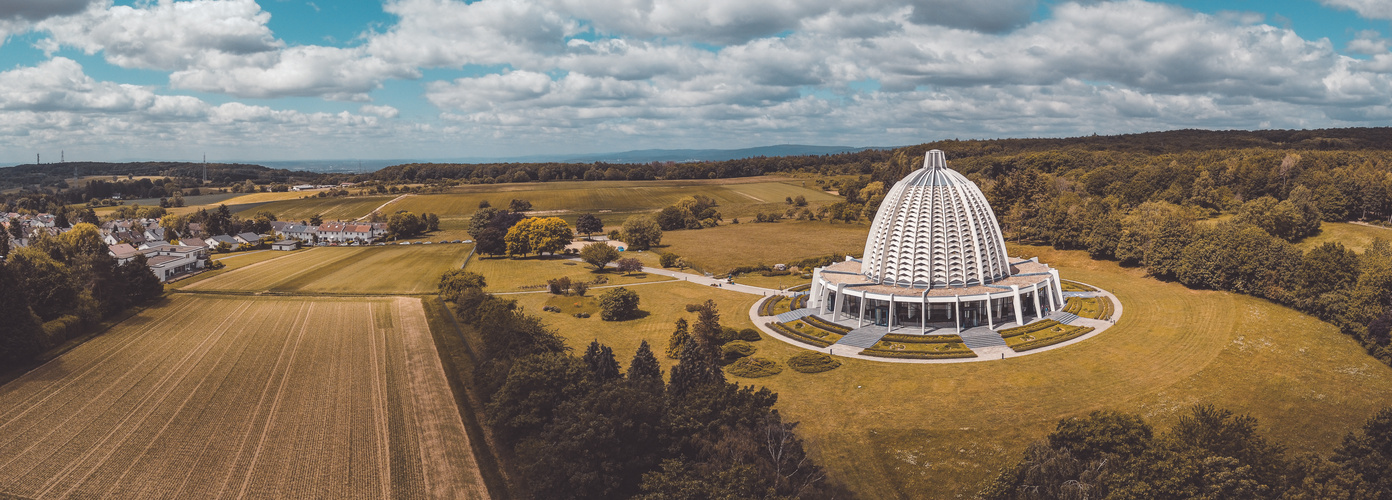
column 921, row 339
column 798, row 336
column 879, row 353
column 766, row 308
column 1030, row 328
column 826, row 325
column 799, row 288
column 754, row 368
column 813, row 362
column 1045, row 342
column 1107, row 308
column 799, row 302
column 736, row 349
column 1081, row 286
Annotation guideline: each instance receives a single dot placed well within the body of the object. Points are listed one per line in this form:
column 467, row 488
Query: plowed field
column 237, row 397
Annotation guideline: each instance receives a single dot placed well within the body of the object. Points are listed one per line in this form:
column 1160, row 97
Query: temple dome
column 935, row 229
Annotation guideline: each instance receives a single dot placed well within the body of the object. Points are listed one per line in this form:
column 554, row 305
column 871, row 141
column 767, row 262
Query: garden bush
column 749, row 335
column 921, row 339
column 766, row 308
column 1037, row 326
column 881, row 353
column 798, row 336
column 813, row 362
column 1048, row 341
column 826, row 325
column 736, row 349
column 754, row 368
column 618, row 304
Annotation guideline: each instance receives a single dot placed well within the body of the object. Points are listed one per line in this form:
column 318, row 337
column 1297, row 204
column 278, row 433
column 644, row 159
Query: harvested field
column 392, row 269
column 329, row 208
column 265, row 398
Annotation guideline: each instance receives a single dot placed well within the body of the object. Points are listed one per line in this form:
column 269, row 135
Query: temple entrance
column 880, row 316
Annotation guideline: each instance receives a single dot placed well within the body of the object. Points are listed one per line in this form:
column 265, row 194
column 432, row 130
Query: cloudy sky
column 340, row 79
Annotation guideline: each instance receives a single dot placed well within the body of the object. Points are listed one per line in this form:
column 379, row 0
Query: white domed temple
column 935, row 258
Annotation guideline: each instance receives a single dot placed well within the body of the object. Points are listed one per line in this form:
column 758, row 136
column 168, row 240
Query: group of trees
column 1209, row 453
column 404, row 224
column 641, row 232
column 691, row 212
column 58, row 287
column 587, row 427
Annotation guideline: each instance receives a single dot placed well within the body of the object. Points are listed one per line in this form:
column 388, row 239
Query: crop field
column 391, row 269
column 943, row 430
column 617, row 198
column 328, row 208
column 237, row 397
column 231, row 262
column 516, row 275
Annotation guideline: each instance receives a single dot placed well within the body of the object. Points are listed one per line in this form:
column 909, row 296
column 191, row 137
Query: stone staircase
column 979, row 337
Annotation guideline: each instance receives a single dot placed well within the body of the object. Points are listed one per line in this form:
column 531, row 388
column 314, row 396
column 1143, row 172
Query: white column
column 889, row 323
column 990, row 321
column 1019, row 311
column 957, row 304
column 1037, row 313
column 1058, row 286
column 1049, row 291
column 923, row 312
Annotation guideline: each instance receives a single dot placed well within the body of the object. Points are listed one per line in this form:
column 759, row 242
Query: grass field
column 718, row 249
column 941, row 431
column 614, row 196
column 237, row 397
column 513, row 275
column 328, row 208
column 386, row 270
column 231, row 262
column 1355, row 237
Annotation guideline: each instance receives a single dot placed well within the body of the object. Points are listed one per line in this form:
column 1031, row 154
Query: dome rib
column 935, row 224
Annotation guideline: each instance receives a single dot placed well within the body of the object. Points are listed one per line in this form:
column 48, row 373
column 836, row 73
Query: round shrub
column 754, row 368
column 618, row 304
column 736, row 349
column 813, row 362
column 749, row 335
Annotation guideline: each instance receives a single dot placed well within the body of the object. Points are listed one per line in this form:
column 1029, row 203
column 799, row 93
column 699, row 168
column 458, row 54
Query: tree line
column 585, row 426
column 1209, row 453
column 60, row 287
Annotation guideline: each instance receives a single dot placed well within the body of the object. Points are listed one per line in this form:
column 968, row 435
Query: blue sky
column 433, row 79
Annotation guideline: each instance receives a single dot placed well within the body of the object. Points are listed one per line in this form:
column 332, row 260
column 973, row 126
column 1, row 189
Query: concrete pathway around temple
column 987, row 350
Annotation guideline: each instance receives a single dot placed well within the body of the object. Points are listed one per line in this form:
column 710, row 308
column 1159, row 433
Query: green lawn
column 1355, row 237
column 721, row 248
column 893, row 430
column 515, row 275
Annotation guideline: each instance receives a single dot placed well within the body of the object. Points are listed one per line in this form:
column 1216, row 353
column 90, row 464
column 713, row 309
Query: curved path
column 380, row 207
column 983, row 354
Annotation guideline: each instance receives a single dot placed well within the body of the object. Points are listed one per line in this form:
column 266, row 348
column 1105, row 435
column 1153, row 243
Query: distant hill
column 49, row 174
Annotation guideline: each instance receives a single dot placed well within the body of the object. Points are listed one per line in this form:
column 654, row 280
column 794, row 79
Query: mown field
column 1356, row 237
column 718, row 249
column 616, row 197
column 515, row 275
column 238, row 397
column 385, row 270
column 941, row 431
column 328, row 208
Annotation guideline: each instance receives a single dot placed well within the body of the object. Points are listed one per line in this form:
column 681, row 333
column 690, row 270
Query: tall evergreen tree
column 644, row 369
column 680, row 336
column 600, row 359
column 696, row 368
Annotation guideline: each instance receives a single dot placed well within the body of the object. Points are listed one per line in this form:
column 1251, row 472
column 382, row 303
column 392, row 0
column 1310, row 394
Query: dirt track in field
column 239, row 398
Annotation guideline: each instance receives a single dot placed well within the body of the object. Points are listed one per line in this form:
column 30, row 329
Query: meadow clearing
column 328, row 208
column 505, row 275
column 384, row 270
column 941, row 431
column 222, row 397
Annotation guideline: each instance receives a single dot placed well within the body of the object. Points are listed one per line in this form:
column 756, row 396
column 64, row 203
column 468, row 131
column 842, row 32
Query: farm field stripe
column 160, row 390
column 275, row 404
column 112, row 378
column 381, row 438
column 171, row 417
column 222, row 410
column 252, row 423
column 111, row 345
column 448, row 472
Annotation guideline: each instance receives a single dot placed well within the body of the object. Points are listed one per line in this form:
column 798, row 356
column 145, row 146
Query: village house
column 172, row 261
